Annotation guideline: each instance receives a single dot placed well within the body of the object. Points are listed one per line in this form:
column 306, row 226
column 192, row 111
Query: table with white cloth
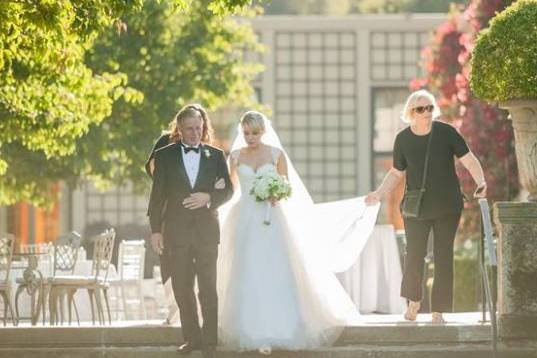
column 374, row 281
column 82, row 268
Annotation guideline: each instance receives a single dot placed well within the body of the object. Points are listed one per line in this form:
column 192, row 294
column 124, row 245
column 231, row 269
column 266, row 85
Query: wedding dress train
column 276, row 282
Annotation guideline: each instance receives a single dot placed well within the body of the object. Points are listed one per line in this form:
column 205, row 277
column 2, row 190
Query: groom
column 184, row 223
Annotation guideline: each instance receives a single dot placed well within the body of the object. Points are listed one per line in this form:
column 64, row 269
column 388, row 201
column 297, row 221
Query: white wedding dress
column 276, row 285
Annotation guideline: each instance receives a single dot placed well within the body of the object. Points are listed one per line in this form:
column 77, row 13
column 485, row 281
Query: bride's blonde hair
column 255, row 120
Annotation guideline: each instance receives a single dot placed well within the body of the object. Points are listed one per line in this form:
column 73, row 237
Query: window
column 315, row 108
column 117, row 206
column 395, row 55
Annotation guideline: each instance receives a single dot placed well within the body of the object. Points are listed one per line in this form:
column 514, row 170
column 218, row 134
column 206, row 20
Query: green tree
column 48, row 96
column 171, row 60
column 54, row 107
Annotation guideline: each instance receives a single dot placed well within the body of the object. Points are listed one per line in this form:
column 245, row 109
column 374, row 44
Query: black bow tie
column 188, row 149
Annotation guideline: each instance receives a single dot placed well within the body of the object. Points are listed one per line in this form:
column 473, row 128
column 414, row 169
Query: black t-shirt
column 443, row 194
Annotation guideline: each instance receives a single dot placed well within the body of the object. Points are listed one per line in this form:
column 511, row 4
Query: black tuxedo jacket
column 171, row 186
column 161, row 142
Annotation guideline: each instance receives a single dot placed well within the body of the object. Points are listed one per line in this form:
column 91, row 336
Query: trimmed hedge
column 504, row 60
column 466, row 285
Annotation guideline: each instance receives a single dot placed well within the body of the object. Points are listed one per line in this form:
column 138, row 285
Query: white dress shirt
column 191, row 161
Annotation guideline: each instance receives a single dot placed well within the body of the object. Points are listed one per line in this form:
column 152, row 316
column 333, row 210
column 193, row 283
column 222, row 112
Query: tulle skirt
column 273, row 290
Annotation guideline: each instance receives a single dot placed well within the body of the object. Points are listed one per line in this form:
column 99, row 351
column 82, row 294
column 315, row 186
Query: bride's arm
column 233, row 172
column 282, row 165
column 232, row 169
column 281, row 168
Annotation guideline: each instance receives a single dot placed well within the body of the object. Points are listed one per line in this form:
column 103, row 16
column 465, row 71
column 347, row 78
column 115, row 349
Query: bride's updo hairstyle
column 255, row 120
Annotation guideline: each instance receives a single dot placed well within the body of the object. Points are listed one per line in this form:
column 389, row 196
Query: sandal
column 412, row 310
column 437, row 318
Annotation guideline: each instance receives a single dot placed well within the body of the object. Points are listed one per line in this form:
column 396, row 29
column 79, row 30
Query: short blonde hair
column 406, row 115
column 255, row 120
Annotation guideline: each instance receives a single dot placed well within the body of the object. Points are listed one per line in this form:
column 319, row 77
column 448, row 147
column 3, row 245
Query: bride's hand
column 273, row 201
column 372, row 198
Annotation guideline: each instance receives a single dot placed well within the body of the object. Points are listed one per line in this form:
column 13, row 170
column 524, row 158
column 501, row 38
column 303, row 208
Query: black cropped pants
column 417, row 234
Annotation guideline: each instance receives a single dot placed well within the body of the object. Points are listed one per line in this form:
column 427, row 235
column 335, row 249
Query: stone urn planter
column 524, row 116
column 504, row 71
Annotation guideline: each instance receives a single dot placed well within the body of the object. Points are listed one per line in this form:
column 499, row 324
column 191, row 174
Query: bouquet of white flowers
column 268, row 187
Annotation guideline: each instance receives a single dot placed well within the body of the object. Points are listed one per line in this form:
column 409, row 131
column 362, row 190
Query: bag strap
column 427, row 151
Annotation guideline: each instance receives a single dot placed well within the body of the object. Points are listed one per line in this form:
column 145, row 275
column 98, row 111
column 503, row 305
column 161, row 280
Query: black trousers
column 417, row 233
column 165, row 266
column 187, row 263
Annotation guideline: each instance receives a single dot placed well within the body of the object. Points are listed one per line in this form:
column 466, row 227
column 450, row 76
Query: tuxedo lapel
column 181, row 164
column 202, row 167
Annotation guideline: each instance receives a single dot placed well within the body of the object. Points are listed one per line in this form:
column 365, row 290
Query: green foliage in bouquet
column 270, row 185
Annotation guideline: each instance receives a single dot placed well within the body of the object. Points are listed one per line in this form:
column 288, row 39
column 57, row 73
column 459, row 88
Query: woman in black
column 442, row 201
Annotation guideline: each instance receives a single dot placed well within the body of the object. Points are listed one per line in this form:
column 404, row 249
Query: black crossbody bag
column 413, row 199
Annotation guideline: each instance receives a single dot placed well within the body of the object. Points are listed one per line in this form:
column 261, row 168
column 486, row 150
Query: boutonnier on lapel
column 207, row 153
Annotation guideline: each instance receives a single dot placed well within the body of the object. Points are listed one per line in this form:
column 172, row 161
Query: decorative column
column 517, row 269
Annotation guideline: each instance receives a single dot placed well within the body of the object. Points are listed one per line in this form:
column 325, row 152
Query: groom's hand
column 157, row 242
column 196, row 201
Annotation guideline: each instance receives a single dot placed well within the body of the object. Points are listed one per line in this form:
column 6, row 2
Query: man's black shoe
column 208, row 352
column 188, row 347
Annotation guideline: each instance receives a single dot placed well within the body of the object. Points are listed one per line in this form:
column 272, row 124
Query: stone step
column 415, row 333
column 468, row 350
column 157, row 335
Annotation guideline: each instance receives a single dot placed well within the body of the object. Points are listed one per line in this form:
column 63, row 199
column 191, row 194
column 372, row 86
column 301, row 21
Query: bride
column 276, row 282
